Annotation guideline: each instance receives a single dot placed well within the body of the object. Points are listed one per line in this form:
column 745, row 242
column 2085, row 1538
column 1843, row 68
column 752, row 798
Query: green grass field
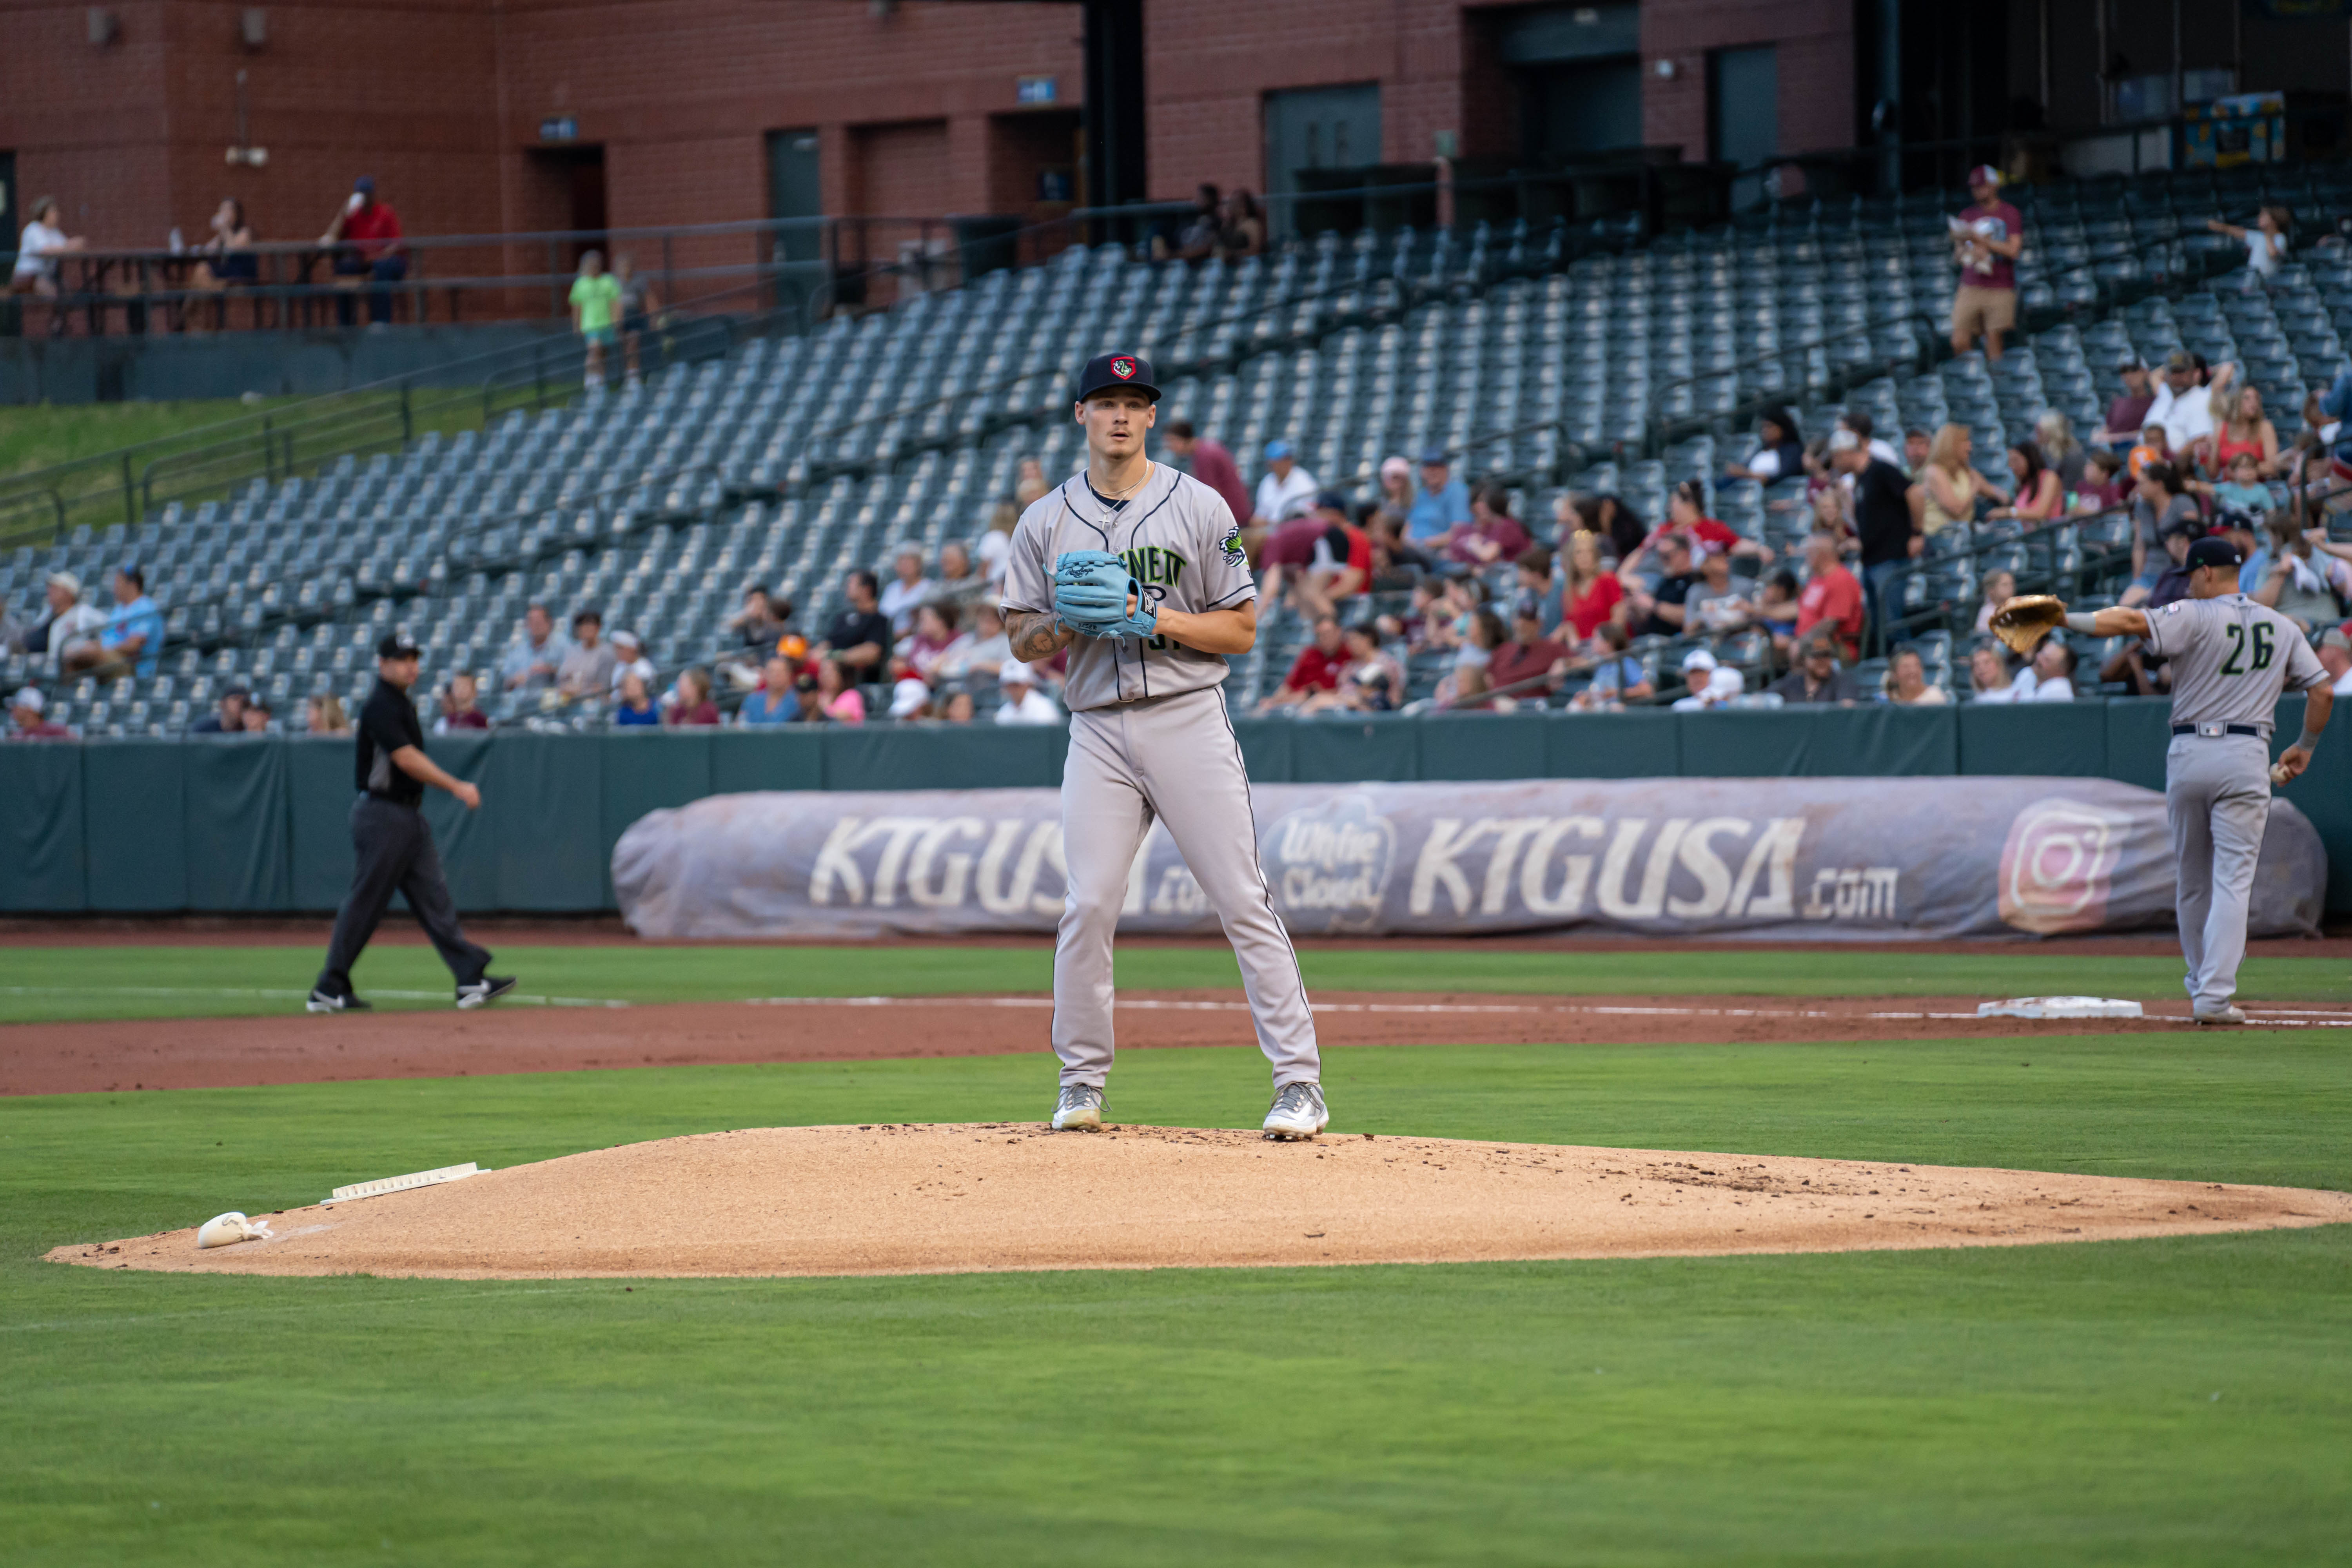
column 123, row 981
column 2179, row 1402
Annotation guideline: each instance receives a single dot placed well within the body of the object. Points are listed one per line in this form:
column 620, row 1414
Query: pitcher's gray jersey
column 2229, row 658
column 1179, row 538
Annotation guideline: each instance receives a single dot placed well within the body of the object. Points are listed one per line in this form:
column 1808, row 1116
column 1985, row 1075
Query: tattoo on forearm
column 1032, row 636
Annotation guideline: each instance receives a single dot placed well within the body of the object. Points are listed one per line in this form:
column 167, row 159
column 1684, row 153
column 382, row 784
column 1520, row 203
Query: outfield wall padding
column 244, row 825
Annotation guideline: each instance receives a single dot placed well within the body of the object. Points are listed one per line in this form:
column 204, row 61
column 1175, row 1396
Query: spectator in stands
column 2300, row 583
column 757, row 624
column 1532, row 585
column 1687, row 514
column 956, row 705
column 1528, row 655
column 958, row 586
column 2128, row 411
column 2050, row 677
column 38, row 271
column 910, row 698
column 2054, row 434
column 995, row 546
column 838, row 698
column 1285, row 490
column 1906, row 683
column 2241, row 428
column 905, row 590
column 1864, row 427
column 1998, row 588
column 2265, row 242
column 860, row 636
column 1819, row 677
column 2104, row 485
column 2241, row 490
column 132, row 638
column 1494, row 534
column 26, row 719
column 228, row 717
column 2161, row 502
column 536, row 658
column 1658, row 610
column 1030, row 486
column 66, row 626
column 1474, row 659
column 227, row 260
column 692, row 706
column 1211, row 464
column 773, row 702
column 365, row 236
column 2184, row 403
column 628, row 658
column 1370, row 680
column 1948, row 485
column 1316, row 670
column 595, row 306
column 1197, row 240
column 1989, row 675
column 636, row 706
column 2040, row 493
column 1882, row 504
column 2335, row 657
column 638, row 303
column 1778, row 608
column 1396, row 565
column 460, row 708
column 1396, row 493
column 323, row 715
column 1917, row 445
column 1780, row 450
column 1715, row 606
column 1440, row 506
column 586, row 668
column 259, row 718
column 934, row 640
column 1024, row 703
column 1618, row 679
column 1832, row 599
column 1986, row 241
column 1241, row 231
column 2155, row 447
column 1591, row 595
column 981, row 655
column 1328, row 558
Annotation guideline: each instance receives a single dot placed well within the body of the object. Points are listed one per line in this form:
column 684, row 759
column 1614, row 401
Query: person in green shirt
column 595, row 298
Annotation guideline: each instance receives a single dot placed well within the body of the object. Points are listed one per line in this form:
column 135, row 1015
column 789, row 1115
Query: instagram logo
column 2056, row 868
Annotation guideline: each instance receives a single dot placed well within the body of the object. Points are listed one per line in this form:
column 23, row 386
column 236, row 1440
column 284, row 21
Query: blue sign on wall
column 1034, row 90
column 565, row 129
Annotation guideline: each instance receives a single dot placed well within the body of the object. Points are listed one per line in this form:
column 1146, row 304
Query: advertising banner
column 1783, row 858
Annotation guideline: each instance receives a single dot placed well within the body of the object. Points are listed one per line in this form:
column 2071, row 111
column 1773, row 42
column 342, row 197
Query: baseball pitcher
column 1139, row 570
column 2231, row 658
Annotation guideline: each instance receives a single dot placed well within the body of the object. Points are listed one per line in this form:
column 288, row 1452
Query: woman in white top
column 1989, row 676
column 2266, row 242
column 1907, row 681
column 38, row 249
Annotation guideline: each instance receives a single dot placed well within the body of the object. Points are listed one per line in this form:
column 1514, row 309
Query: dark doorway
column 1579, row 107
column 795, row 190
column 1316, row 128
column 1743, row 115
column 573, row 181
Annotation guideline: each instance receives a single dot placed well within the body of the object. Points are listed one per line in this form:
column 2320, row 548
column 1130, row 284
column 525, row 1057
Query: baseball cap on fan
column 1984, row 175
column 397, row 645
column 1107, row 371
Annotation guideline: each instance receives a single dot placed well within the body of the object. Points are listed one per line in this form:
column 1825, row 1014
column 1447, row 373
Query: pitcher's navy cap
column 2214, row 552
column 396, row 644
column 1106, row 371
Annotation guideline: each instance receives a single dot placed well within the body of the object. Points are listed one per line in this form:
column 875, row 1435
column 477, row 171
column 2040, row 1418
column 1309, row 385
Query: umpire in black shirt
column 395, row 843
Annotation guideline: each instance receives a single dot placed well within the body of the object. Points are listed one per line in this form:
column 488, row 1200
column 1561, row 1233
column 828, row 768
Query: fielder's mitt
column 2024, row 621
column 1091, row 592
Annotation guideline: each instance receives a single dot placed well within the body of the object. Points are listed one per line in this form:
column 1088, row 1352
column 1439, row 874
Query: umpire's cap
column 2214, row 552
column 397, row 645
column 1106, row 371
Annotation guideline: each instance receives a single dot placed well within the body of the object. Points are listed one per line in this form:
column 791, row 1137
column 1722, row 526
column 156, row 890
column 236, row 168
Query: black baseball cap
column 1106, row 371
column 2214, row 552
column 397, row 645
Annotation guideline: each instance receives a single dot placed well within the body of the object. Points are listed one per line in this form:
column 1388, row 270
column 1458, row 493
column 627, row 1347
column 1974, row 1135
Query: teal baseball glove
column 1092, row 589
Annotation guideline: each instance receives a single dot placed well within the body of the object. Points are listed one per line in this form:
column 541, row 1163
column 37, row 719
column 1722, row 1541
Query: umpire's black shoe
column 334, row 1002
column 489, row 988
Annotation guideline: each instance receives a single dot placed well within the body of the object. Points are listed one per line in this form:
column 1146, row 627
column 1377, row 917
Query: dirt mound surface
column 1000, row 1196
column 220, row 1053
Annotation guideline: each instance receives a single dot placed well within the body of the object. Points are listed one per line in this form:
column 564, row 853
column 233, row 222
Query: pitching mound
column 944, row 1199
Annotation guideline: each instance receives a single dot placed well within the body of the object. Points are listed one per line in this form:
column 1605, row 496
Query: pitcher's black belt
column 2211, row 729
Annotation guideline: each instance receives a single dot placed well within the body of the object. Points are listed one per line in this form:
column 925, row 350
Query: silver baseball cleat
column 1079, row 1109
column 1298, row 1111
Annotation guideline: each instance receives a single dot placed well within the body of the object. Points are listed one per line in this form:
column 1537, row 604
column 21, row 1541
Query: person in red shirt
column 1494, row 534
column 25, row 711
column 365, row 236
column 1211, row 465
column 1327, row 556
column 1831, row 595
column 1986, row 241
column 1528, row 655
column 1588, row 594
column 1316, row 668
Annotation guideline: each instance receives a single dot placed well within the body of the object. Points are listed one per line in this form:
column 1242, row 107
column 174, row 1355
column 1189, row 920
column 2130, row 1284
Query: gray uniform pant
column 2216, row 797
column 1173, row 758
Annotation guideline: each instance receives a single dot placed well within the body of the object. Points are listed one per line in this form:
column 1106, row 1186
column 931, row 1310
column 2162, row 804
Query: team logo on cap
column 1123, row 368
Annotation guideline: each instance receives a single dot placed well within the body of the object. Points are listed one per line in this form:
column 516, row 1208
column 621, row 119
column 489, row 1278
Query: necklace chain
column 1122, row 495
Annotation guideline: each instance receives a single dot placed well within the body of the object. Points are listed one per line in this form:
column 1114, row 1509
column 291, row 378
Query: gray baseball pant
column 2216, row 797
column 1175, row 759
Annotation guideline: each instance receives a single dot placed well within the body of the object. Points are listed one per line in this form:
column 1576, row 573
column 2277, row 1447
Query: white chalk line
column 289, row 996
column 2272, row 1017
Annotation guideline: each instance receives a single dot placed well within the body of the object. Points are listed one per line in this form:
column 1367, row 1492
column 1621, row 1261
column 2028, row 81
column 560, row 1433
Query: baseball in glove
column 2024, row 621
column 1092, row 591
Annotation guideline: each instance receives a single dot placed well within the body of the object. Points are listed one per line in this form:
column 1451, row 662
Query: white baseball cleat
column 1079, row 1109
column 1298, row 1111
column 2229, row 1013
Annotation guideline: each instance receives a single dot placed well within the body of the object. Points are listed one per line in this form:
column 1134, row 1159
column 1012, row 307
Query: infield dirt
column 1009, row 1196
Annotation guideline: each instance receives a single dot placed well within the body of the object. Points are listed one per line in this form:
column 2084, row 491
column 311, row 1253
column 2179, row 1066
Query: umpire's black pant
column 395, row 855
